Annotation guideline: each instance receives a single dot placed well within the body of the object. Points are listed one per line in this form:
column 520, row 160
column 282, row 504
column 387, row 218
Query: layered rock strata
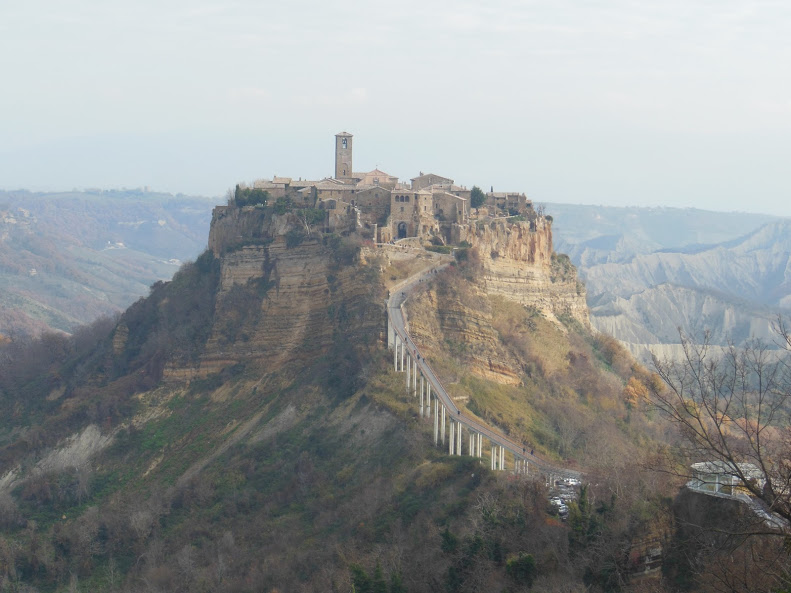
column 520, row 265
column 285, row 294
column 450, row 320
column 513, row 260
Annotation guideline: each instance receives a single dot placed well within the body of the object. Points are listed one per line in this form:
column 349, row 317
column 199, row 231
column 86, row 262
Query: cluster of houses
column 379, row 206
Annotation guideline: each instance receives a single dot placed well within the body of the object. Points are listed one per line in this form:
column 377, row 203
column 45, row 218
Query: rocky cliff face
column 520, row 265
column 284, row 294
column 456, row 317
column 513, row 261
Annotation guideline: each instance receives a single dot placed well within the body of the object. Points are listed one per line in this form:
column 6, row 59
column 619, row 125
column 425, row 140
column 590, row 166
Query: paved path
column 398, row 297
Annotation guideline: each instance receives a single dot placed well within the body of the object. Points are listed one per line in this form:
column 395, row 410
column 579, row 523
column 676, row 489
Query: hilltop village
column 381, row 208
column 257, row 234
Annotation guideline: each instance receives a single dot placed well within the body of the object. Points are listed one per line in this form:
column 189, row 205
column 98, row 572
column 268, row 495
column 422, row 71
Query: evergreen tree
column 396, row 583
column 378, row 584
column 477, row 197
column 361, row 582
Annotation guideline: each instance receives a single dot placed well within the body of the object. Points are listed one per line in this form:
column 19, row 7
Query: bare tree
column 733, row 408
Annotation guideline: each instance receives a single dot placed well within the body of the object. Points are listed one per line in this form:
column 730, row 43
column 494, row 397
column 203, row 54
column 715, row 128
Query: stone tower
column 343, row 155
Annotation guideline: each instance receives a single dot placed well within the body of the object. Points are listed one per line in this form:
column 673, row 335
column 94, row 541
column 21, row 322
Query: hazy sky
column 682, row 103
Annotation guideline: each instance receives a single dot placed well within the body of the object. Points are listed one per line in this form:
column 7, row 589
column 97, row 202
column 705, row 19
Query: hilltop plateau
column 241, row 428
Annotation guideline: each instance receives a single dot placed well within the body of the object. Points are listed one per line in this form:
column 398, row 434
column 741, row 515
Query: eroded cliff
column 513, row 261
column 286, row 294
column 519, row 264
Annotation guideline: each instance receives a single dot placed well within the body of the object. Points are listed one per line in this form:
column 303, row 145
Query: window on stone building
column 343, row 142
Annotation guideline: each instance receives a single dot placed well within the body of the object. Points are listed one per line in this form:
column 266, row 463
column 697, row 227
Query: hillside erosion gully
column 398, row 298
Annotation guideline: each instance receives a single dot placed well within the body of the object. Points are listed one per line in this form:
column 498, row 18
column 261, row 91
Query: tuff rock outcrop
column 520, row 265
column 283, row 291
column 512, row 260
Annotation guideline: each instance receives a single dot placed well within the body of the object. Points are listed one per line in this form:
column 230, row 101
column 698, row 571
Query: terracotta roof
column 380, row 173
column 451, row 195
column 504, row 194
column 334, row 185
column 361, row 187
column 422, row 175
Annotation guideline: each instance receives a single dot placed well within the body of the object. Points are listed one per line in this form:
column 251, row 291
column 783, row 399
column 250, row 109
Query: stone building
column 377, row 178
column 381, row 207
column 427, row 179
column 343, row 156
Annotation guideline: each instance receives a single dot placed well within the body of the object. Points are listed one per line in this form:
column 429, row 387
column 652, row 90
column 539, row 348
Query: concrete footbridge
column 450, row 423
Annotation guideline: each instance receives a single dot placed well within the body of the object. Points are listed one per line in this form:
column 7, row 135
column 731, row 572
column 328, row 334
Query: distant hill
column 67, row 258
column 597, row 234
column 649, row 271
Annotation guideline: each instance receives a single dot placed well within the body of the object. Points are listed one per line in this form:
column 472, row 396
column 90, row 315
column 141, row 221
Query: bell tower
column 343, row 155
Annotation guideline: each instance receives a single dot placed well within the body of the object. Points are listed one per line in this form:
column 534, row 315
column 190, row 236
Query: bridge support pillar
column 421, row 402
column 458, row 438
column 502, row 458
column 414, row 375
column 395, row 353
column 408, row 375
column 451, row 440
column 403, row 353
column 442, row 422
column 494, row 455
column 480, row 445
column 428, row 404
column 436, row 422
column 428, row 390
